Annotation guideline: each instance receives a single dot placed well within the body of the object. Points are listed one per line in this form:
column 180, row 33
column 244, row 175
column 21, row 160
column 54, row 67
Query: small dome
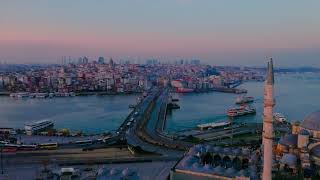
column 312, row 121
column 209, row 148
column 102, row 171
column 230, row 172
column 289, row 159
column 289, row 140
column 236, row 151
column 245, row 151
column 304, row 132
column 217, row 149
column 208, row 168
column 196, row 166
column 114, row 172
column 226, row 150
column 316, row 151
column 243, row 172
column 219, row 170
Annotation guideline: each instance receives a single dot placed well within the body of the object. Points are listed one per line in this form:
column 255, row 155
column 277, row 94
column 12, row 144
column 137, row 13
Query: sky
column 222, row 32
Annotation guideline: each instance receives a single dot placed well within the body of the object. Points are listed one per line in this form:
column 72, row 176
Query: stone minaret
column 267, row 123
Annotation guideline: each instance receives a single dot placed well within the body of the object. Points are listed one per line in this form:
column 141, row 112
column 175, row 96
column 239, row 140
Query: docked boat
column 173, row 105
column 19, row 95
column 241, row 111
column 278, row 117
column 41, row 95
column 38, row 126
column 244, row 99
column 10, row 148
column 213, row 125
column 184, row 90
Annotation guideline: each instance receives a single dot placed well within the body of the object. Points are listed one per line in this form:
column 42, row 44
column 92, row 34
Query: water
column 297, row 95
column 91, row 114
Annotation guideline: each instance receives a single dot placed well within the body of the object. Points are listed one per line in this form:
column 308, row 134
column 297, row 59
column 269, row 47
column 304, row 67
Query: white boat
column 213, row 125
column 38, row 126
column 279, row 117
column 41, row 95
column 22, row 95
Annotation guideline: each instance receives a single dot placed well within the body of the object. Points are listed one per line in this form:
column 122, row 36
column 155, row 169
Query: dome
column 289, row 159
column 114, row 172
column 289, row 140
column 208, row 168
column 230, row 172
column 218, row 170
column 217, row 149
column 209, row 148
column 316, row 151
column 312, row 121
column 236, row 151
column 304, row 132
column 243, row 172
column 245, row 151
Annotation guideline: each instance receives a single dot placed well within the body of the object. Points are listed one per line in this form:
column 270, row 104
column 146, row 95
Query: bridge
column 147, row 132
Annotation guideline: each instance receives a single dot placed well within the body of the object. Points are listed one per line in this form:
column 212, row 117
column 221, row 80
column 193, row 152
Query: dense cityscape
column 111, row 77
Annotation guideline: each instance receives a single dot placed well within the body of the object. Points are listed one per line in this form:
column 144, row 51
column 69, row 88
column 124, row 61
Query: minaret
column 267, row 123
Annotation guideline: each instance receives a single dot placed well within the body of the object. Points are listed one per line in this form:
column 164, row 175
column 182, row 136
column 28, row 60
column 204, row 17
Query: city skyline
column 215, row 32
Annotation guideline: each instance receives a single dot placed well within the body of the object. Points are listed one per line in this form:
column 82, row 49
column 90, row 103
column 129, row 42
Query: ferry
column 184, row 90
column 41, row 95
column 10, row 148
column 19, row 95
column 27, row 147
column 244, row 99
column 241, row 111
column 38, row 126
column 279, row 118
column 213, row 125
column 48, row 146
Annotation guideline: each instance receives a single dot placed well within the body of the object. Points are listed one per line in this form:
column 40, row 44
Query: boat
column 132, row 106
column 27, row 147
column 184, row 90
column 241, row 111
column 10, row 148
column 244, row 99
column 38, row 126
column 19, row 95
column 279, row 118
column 173, row 106
column 213, row 125
column 41, row 95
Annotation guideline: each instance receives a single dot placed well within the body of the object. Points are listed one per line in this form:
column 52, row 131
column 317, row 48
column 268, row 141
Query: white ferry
column 244, row 99
column 20, row 95
column 213, row 125
column 41, row 95
column 279, row 117
column 38, row 126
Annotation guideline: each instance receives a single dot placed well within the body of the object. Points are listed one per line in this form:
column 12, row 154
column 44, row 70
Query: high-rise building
column 268, row 123
column 85, row 60
column 101, row 60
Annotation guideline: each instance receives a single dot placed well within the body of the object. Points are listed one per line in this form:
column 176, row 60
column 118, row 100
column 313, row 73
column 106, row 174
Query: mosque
column 301, row 148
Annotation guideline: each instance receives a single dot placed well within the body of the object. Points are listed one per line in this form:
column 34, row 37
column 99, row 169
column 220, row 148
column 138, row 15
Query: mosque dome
column 289, row 140
column 304, row 132
column 316, row 151
column 289, row 159
column 312, row 121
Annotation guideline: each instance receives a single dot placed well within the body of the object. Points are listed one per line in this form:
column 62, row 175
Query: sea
column 296, row 95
